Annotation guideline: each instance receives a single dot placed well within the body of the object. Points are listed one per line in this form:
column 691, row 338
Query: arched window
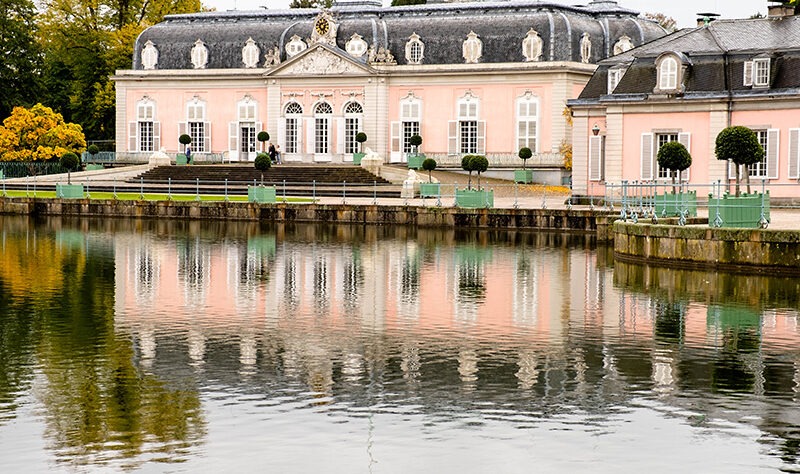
column 415, row 50
column 250, row 54
column 322, row 128
column 668, row 73
column 527, row 122
column 145, row 132
column 353, row 117
column 293, row 121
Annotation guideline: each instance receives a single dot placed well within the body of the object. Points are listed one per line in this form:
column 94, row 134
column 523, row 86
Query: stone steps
column 246, row 174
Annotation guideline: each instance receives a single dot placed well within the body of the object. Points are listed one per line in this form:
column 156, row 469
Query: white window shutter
column 311, row 135
column 340, row 138
column 481, row 137
column 396, row 149
column 685, row 139
column 156, row 136
column 773, row 152
column 595, row 158
column 282, row 133
column 300, row 131
column 748, row 73
column 794, row 153
column 132, row 135
column 181, row 128
column 647, row 156
column 452, row 137
column 329, row 144
column 206, row 137
column 233, row 140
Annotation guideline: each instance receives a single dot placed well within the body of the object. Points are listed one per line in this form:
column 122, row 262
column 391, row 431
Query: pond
column 187, row 346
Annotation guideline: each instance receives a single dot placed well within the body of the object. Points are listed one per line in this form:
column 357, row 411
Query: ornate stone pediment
column 319, row 60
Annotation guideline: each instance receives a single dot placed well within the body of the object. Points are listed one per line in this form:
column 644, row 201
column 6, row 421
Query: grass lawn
column 151, row 196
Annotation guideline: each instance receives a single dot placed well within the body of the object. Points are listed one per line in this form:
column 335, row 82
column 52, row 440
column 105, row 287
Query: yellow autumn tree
column 38, row 134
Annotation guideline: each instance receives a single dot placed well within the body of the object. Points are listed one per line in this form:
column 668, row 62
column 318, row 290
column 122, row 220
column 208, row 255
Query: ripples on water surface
column 233, row 347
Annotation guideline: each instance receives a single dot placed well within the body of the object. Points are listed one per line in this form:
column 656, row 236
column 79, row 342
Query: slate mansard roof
column 501, row 26
column 714, row 58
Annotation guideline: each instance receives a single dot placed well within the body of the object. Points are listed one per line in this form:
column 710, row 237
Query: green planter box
column 415, row 160
column 430, row 189
column 357, row 158
column 523, row 176
column 671, row 204
column 181, row 159
column 94, row 167
column 746, row 211
column 474, row 198
column 69, row 191
column 261, row 194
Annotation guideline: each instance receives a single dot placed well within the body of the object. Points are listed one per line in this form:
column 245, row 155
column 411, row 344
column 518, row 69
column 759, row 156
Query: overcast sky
column 683, row 11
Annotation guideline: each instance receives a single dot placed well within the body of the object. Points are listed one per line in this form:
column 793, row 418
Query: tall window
column 759, row 170
column 668, row 73
column 353, row 113
column 468, row 126
column 145, row 119
column 196, row 126
column 761, row 72
column 614, row 76
column 322, row 121
column 247, row 128
column 410, row 115
column 527, row 120
column 661, row 139
column 293, row 113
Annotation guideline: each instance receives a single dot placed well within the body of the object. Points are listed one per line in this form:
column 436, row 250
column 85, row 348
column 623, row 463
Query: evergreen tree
column 19, row 55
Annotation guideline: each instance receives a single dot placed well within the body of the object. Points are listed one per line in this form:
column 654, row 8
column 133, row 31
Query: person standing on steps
column 272, row 153
column 278, row 154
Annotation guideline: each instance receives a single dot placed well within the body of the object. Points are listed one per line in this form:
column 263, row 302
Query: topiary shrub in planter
column 524, row 176
column 262, row 194
column 361, row 137
column 415, row 159
column 474, row 197
column 262, row 137
column 69, row 161
column 739, row 145
column 429, row 189
column 749, row 211
column 184, row 158
column 676, row 158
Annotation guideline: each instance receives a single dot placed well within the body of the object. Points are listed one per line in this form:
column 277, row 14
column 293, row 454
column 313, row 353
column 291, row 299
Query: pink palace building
column 472, row 77
column 687, row 87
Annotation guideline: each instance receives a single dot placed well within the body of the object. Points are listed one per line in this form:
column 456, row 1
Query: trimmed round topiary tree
column 415, row 141
column 674, row 157
column 466, row 165
column 479, row 165
column 262, row 163
column 429, row 165
column 185, row 140
column 263, row 137
column 69, row 161
column 524, row 154
column 739, row 145
column 361, row 137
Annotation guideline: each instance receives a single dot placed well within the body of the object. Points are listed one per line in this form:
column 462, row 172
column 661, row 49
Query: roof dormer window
column 614, row 76
column 671, row 70
column 761, row 72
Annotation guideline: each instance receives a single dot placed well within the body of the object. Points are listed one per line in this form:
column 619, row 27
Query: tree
column 262, row 136
column 674, row 157
column 262, row 163
column 429, row 165
column 361, row 137
column 466, row 165
column 668, row 23
column 184, row 140
column 21, row 58
column 739, row 145
column 524, row 154
column 479, row 165
column 311, row 4
column 69, row 161
column 415, row 141
column 399, row 3
column 38, row 134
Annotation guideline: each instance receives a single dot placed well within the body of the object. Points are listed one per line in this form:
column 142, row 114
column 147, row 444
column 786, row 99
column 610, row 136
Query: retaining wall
column 549, row 219
column 757, row 250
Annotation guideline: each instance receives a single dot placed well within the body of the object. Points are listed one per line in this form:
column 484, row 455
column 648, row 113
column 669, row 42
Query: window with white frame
column 196, row 126
column 614, row 76
column 759, row 170
column 322, row 123
column 468, row 126
column 145, row 126
column 668, row 73
column 527, row 122
column 415, row 50
column 761, row 72
column 662, row 139
column 247, row 127
column 353, row 114
column 293, row 113
column 410, row 117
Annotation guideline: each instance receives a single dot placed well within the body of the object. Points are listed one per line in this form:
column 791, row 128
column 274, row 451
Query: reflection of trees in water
column 669, row 323
column 320, row 285
column 470, row 280
column 290, row 289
